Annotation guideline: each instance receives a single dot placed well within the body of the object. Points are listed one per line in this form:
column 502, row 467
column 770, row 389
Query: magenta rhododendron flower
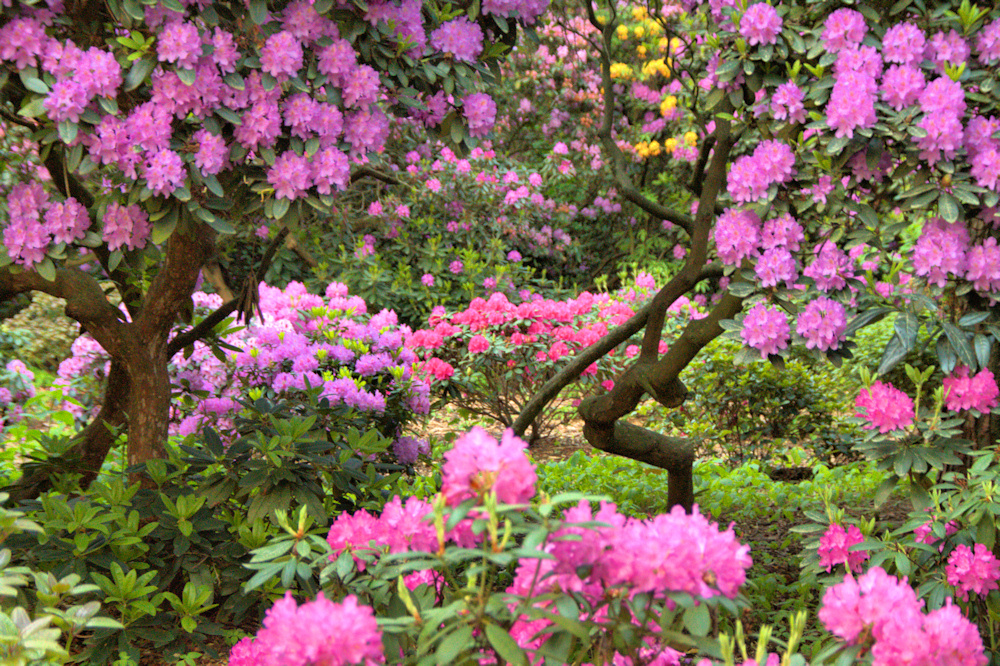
column 317, row 632
column 972, row 570
column 822, row 323
column 835, row 544
column 925, row 533
column 885, row 406
column 478, row 344
column 460, row 37
column 478, row 464
column 882, row 612
column 978, row 392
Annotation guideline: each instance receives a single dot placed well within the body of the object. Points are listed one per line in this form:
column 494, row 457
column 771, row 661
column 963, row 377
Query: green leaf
column 258, row 11
column 948, row 207
column 697, row 620
column 68, row 131
column 506, row 647
column 960, row 343
column 454, row 644
column 34, row 84
column 46, row 269
column 141, row 69
column 163, row 227
column 187, row 76
column 895, row 351
column 281, row 207
column 885, row 489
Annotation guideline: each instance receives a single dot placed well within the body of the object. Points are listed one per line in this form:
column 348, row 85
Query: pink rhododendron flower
column 737, row 235
column 972, row 570
column 478, row 344
column 766, row 330
column 317, row 632
column 479, row 464
column 885, row 406
column 760, row 24
column 978, row 392
column 835, row 544
column 879, row 611
column 925, row 533
column 822, row 323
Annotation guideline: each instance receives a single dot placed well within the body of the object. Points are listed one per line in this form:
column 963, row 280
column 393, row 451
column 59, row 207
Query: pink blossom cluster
column 941, row 250
column 925, row 533
column 883, row 614
column 401, row 527
column 478, row 465
column 201, row 75
column 766, row 329
column 835, row 548
column 885, row 406
column 978, row 392
column 787, row 103
column 760, row 24
column 822, row 323
column 16, row 386
column 737, row 235
column 772, row 162
column 35, row 222
column 831, row 268
column 544, row 330
column 317, row 632
column 972, row 570
column 673, row 551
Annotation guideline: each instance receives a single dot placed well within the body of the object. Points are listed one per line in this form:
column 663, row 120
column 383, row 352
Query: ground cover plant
column 799, row 171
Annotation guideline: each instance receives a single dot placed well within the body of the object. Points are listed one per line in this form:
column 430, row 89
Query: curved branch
column 569, row 373
column 85, row 301
column 674, row 454
column 616, row 158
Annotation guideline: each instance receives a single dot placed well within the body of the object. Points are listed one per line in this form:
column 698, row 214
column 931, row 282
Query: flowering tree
column 848, row 165
column 160, row 126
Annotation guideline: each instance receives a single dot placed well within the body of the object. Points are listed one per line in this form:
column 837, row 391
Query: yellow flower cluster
column 668, row 104
column 620, row 70
column 645, row 149
column 658, row 66
column 691, row 139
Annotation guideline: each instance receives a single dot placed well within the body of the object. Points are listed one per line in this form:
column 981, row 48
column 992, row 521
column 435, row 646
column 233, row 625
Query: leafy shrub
column 425, row 266
column 40, row 335
column 750, row 411
column 170, row 560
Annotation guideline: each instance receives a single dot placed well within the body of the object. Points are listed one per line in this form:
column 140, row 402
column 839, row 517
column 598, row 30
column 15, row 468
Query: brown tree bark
column 137, row 395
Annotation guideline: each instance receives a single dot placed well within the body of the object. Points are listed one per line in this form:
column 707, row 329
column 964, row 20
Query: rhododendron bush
column 161, row 126
column 489, row 358
column 592, row 586
column 301, row 347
